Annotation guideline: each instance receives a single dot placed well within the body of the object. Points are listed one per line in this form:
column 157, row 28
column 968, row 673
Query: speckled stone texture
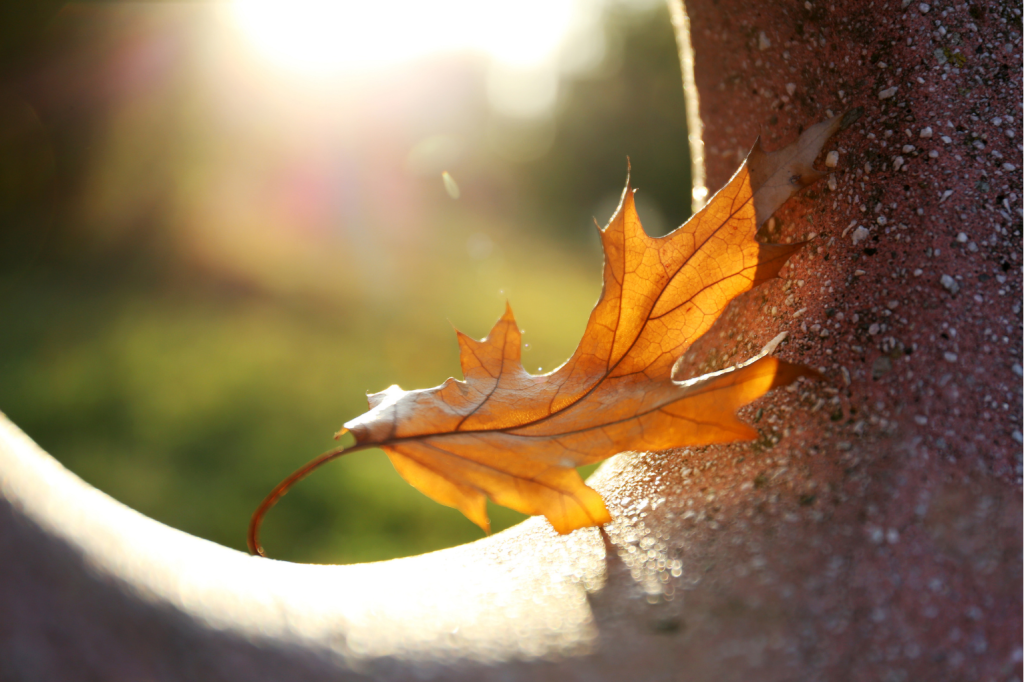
column 874, row 531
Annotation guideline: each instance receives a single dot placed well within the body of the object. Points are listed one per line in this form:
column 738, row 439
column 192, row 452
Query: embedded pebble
column 962, row 237
column 924, row 8
column 888, row 92
column 897, row 163
column 907, row 148
column 860, row 234
column 949, row 284
column 762, row 42
column 790, row 88
column 832, row 159
column 925, row 133
column 832, row 182
column 950, row 357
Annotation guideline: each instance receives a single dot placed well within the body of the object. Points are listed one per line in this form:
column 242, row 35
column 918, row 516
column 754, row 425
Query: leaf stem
column 284, row 486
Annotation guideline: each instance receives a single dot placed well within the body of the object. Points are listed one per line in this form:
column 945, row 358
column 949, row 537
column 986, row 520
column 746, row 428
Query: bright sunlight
column 330, row 36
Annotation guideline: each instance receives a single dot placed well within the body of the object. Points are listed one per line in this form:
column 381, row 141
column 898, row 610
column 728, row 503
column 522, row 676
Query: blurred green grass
column 189, row 403
column 187, row 391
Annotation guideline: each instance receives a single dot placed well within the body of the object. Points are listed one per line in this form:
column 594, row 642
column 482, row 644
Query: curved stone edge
column 144, row 593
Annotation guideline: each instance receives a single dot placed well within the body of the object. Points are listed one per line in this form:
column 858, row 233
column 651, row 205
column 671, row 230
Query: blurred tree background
column 207, row 258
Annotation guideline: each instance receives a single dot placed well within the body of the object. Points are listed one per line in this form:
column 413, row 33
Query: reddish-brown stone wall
column 874, row 532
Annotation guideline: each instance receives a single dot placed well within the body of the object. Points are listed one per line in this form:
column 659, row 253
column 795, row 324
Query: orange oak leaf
column 515, row 438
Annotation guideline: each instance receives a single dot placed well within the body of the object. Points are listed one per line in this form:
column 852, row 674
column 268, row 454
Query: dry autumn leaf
column 517, row 439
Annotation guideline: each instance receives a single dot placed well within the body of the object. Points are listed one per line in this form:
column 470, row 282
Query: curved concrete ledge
column 482, row 603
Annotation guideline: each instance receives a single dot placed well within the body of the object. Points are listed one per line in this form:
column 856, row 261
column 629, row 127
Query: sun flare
column 324, row 36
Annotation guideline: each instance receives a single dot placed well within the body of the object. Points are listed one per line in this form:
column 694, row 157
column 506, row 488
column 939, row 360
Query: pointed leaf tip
column 508, row 314
column 776, row 176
